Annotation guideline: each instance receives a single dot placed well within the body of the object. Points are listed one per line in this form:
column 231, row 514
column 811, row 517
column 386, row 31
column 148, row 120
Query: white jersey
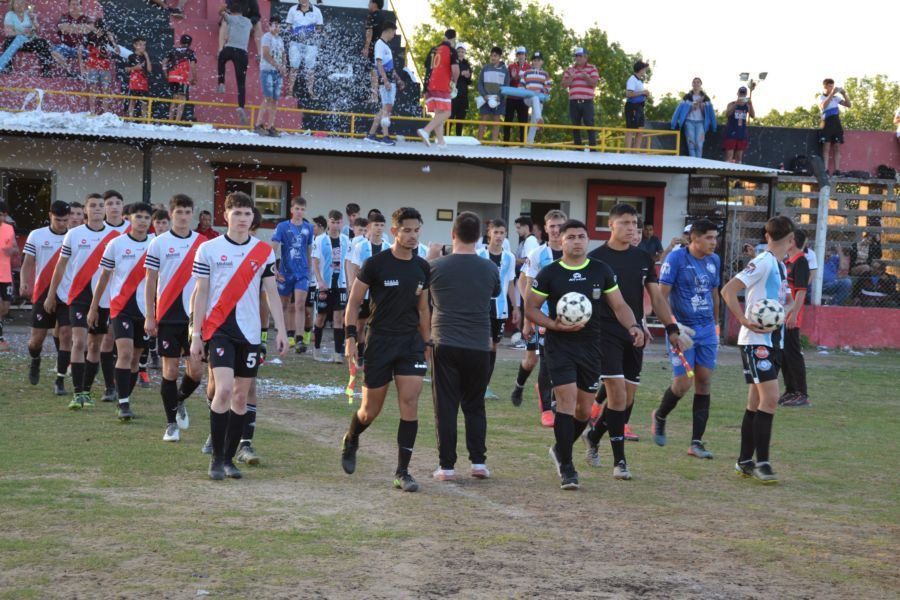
column 539, row 258
column 124, row 258
column 528, row 246
column 45, row 246
column 303, row 24
column 362, row 251
column 123, row 227
column 172, row 257
column 765, row 277
column 83, row 247
column 480, row 245
column 235, row 273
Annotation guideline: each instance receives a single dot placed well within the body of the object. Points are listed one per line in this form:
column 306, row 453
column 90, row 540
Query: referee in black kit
column 462, row 285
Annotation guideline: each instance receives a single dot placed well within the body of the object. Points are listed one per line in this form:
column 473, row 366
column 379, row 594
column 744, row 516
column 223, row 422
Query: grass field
column 94, row 509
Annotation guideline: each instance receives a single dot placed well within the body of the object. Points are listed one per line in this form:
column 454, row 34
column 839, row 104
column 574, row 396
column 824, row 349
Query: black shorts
column 620, row 358
column 832, row 132
column 577, row 363
column 497, row 326
column 41, row 319
column 311, row 297
column 179, row 89
column 173, row 340
column 335, row 299
column 761, row 363
column 78, row 318
column 365, row 309
column 126, row 327
column 242, row 357
column 390, row 355
column 6, row 292
column 634, row 115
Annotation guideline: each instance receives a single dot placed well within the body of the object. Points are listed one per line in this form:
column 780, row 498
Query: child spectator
column 271, row 76
column 72, row 27
column 100, row 44
column 537, row 80
column 180, row 67
column 737, row 136
column 139, row 68
column 493, row 76
column 234, row 36
column 390, row 82
column 374, row 23
column 831, row 136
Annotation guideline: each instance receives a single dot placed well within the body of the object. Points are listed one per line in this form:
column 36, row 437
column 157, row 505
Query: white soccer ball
column 574, row 309
column 768, row 314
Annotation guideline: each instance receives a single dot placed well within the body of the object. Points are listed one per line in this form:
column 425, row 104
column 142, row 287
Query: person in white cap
column 516, row 108
column 581, row 81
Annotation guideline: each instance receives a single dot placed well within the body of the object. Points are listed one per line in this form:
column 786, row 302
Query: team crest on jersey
column 763, row 365
column 46, row 243
column 78, row 315
column 761, row 352
column 220, row 351
column 595, row 293
column 39, row 317
column 711, row 268
column 125, row 325
column 165, row 345
column 665, row 269
column 751, row 266
column 419, row 287
column 254, row 265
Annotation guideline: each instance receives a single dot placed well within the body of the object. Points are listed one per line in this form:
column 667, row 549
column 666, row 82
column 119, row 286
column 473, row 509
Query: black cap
column 60, row 208
column 186, row 40
column 537, row 55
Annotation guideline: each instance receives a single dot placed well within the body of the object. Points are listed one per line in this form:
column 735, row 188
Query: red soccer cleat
column 548, row 418
column 630, row 436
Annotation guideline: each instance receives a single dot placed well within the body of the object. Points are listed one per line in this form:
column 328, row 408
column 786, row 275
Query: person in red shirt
column 516, row 109
column 581, row 81
column 99, row 61
column 204, row 228
column 440, row 85
column 793, row 364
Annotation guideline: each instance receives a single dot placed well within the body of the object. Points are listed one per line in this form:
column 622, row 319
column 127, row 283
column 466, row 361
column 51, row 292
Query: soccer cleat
column 231, row 471
column 59, row 387
column 372, row 138
column 592, row 454
column 555, row 459
column 182, row 417
column 699, row 450
column 745, row 468
column 291, row 342
column 516, row 396
column 764, row 473
column 596, row 411
column 797, row 400
column 444, row 474
column 424, row 135
column 247, row 455
column 109, row 395
column 216, row 468
column 404, row 481
column 87, row 400
column 321, row 355
column 785, row 398
column 76, row 402
column 144, row 379
column 34, row 371
column 307, row 337
column 547, row 418
column 480, row 471
column 658, row 429
column 520, row 345
column 568, row 478
column 621, row 472
column 300, row 348
column 207, row 446
column 123, row 412
column 631, row 436
column 490, row 395
column 348, row 454
column 172, row 434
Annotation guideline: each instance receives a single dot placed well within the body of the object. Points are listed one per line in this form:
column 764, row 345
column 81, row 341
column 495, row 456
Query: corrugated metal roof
column 110, row 128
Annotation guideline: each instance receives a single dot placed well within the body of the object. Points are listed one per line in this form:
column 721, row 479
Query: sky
column 799, row 43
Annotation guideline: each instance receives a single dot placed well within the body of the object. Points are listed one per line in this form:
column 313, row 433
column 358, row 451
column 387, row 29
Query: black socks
column 34, row 353
column 188, row 385
column 701, row 415
column 249, row 424
column 218, row 430
column 108, row 364
column 356, row 428
column 564, row 431
column 233, row 437
column 747, row 445
column 78, row 376
column 339, row 341
column 406, row 440
column 615, row 420
column 317, row 336
column 123, row 384
column 669, row 401
column 169, row 391
column 762, row 434
column 90, row 373
column 522, row 377
column 63, row 358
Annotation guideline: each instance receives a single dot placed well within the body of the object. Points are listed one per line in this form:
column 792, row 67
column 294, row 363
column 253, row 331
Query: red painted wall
column 865, row 150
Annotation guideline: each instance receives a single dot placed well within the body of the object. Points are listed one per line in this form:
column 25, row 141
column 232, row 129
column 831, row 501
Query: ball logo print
column 768, row 314
column 574, row 309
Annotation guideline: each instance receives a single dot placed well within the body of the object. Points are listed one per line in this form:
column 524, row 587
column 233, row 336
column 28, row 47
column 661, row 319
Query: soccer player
column 292, row 243
column 440, row 86
column 170, row 284
column 690, row 280
column 537, row 260
column 329, row 254
column 352, row 209
column 399, row 341
column 371, row 244
column 620, row 369
column 124, row 274
column 764, row 277
column 574, row 352
column 230, row 271
column 505, row 262
column 114, row 215
column 160, row 222
column 462, row 287
column 76, row 217
column 74, row 279
column 42, row 249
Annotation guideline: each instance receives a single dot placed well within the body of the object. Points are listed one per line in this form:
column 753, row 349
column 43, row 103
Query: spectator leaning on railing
column 21, row 27
column 139, row 68
column 180, row 67
column 536, row 80
column 697, row 116
column 581, row 81
column 98, row 66
column 493, row 76
column 635, row 98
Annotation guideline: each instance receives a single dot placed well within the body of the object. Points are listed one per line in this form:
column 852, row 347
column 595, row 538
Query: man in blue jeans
column 832, row 284
column 272, row 70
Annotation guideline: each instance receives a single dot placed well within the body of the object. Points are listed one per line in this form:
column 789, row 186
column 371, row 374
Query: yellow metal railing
column 609, row 139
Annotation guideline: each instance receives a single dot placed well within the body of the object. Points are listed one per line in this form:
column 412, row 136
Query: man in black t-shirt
column 574, row 352
column 793, row 364
column 399, row 325
column 622, row 360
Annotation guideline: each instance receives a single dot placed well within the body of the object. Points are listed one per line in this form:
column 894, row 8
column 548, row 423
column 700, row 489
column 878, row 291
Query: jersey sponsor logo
column 391, row 283
column 763, row 365
column 577, row 277
column 419, row 365
column 761, row 352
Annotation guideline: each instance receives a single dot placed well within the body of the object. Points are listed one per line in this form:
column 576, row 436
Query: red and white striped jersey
column 235, row 273
column 124, row 258
column 172, row 257
column 83, row 247
column 44, row 245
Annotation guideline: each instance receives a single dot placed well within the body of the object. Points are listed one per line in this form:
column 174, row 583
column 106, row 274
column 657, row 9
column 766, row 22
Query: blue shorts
column 703, row 353
column 292, row 283
column 68, row 52
column 271, row 82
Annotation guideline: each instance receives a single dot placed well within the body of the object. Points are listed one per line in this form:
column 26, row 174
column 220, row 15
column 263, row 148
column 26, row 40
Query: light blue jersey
column 329, row 263
column 507, row 273
column 766, row 278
